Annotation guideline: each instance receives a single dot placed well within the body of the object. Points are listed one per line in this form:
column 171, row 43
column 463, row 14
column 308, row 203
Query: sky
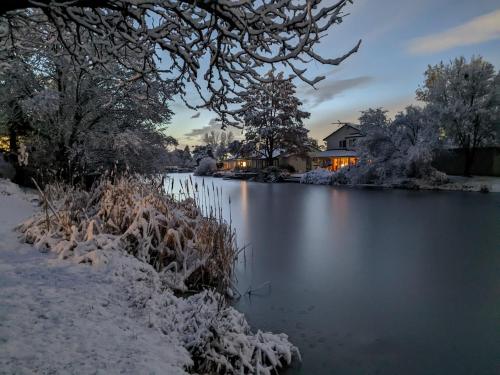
column 400, row 38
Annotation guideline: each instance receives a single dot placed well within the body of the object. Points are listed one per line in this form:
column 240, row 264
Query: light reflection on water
column 372, row 282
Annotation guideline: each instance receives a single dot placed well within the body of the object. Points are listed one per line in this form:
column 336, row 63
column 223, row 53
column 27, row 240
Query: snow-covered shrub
column 221, row 341
column 341, row 177
column 364, row 173
column 272, row 174
column 317, row 176
column 438, row 178
column 206, row 167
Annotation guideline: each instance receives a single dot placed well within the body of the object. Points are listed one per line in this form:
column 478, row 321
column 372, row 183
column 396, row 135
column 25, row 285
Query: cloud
column 479, row 29
column 212, row 125
column 329, row 89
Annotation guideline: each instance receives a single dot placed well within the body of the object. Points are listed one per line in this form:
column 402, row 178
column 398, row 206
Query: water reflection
column 367, row 282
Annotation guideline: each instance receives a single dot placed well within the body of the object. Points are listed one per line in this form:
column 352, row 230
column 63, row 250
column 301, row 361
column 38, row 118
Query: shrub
column 484, row 188
column 438, row 178
column 206, row 167
column 341, row 177
column 289, row 168
column 317, row 176
column 272, row 174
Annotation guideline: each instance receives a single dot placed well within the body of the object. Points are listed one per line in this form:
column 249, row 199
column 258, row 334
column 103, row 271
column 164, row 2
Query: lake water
column 372, row 281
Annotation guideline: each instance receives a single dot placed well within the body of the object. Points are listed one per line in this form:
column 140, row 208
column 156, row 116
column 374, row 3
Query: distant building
column 340, row 150
column 282, row 159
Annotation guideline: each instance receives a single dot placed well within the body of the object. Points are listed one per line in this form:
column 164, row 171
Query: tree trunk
column 20, row 173
column 470, row 154
column 12, row 139
column 270, row 161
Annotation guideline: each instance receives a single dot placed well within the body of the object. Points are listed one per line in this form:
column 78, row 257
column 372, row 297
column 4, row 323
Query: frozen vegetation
column 96, row 286
column 207, row 167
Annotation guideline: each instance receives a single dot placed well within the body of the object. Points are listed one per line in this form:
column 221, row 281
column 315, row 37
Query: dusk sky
column 400, row 38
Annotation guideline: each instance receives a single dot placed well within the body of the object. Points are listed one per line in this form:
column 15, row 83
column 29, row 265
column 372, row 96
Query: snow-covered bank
column 452, row 183
column 114, row 315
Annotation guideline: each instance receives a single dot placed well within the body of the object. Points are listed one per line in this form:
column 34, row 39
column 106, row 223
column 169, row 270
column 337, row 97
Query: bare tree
column 217, row 47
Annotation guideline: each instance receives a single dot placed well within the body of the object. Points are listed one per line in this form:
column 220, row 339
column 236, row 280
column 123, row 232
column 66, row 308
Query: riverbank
column 483, row 184
column 103, row 311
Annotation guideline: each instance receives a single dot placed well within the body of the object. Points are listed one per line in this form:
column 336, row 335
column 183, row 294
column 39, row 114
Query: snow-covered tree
column 217, row 47
column 416, row 135
column 201, row 152
column 180, row 158
column 218, row 141
column 16, row 85
column 272, row 117
column 463, row 98
column 83, row 121
column 377, row 144
column 206, row 167
column 399, row 148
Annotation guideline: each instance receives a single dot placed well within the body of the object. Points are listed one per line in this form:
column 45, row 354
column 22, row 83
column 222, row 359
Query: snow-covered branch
column 217, row 47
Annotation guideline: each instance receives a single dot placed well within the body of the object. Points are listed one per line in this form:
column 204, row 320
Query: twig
column 251, row 291
column 46, row 200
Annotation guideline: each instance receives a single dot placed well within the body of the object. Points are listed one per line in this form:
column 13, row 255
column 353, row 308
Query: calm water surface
column 371, row 281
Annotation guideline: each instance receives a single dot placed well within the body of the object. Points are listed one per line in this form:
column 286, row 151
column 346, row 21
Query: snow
column 61, row 317
column 474, row 183
column 103, row 311
column 317, row 176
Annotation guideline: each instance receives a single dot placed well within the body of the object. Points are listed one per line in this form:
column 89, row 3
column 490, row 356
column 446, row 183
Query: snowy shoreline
column 113, row 315
column 456, row 183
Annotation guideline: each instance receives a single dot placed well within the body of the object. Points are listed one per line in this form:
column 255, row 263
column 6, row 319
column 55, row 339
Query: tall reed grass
column 183, row 236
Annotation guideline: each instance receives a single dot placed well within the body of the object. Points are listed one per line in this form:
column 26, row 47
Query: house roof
column 256, row 156
column 334, row 153
column 354, row 126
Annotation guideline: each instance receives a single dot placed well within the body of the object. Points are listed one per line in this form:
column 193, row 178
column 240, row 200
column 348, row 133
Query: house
column 298, row 162
column 250, row 162
column 282, row 159
column 340, row 150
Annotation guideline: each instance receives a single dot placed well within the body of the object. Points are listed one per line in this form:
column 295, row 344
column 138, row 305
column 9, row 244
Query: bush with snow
column 341, row 176
column 438, row 178
column 272, row 174
column 317, row 176
column 207, row 167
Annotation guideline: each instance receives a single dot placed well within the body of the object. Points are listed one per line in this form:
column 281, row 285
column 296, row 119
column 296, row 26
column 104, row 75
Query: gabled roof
column 343, row 125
